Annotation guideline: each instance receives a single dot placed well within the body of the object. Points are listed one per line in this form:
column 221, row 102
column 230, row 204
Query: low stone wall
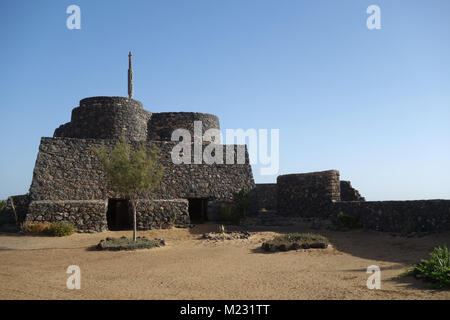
column 86, row 215
column 160, row 214
column 90, row 215
column 348, row 193
column 399, row 216
column 308, row 194
column 264, row 196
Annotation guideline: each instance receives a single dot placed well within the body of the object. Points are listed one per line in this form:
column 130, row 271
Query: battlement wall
column 404, row 217
column 307, row 194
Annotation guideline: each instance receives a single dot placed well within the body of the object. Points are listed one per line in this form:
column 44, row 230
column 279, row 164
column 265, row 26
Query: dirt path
column 190, row 268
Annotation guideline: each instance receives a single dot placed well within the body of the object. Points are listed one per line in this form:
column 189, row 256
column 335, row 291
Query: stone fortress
column 69, row 184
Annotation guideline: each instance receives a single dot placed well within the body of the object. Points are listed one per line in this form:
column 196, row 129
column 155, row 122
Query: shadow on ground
column 365, row 244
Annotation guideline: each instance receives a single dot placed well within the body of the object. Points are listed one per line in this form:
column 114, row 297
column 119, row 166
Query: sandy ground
column 191, row 268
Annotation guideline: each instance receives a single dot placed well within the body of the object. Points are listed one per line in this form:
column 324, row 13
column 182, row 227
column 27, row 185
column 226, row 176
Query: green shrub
column 60, row 229
column 294, row 241
column 435, row 270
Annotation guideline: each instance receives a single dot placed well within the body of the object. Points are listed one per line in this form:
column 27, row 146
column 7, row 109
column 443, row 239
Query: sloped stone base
column 85, row 215
column 161, row 214
column 90, row 215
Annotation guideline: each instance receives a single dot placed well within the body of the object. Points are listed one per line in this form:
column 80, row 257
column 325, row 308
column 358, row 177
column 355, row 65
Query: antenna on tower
column 130, row 77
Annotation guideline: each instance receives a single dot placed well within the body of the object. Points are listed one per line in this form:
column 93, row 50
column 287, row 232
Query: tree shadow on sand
column 410, row 282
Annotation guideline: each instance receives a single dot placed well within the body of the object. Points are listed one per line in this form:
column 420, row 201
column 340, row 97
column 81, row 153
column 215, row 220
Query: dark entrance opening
column 198, row 209
column 118, row 215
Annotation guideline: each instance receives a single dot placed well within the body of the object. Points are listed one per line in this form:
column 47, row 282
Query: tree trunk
column 133, row 209
column 14, row 210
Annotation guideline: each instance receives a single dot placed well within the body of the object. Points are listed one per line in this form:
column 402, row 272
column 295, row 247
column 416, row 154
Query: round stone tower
column 161, row 125
column 107, row 118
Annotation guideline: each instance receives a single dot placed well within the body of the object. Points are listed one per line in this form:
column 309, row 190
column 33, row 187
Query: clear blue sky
column 373, row 104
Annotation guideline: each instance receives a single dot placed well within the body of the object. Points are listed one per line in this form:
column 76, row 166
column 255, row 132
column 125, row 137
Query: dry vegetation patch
column 294, row 241
column 53, row 229
column 232, row 235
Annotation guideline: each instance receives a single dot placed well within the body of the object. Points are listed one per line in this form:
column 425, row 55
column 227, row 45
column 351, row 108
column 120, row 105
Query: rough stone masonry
column 69, row 183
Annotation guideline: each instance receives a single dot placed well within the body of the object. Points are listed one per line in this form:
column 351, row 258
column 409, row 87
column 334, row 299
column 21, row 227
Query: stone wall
column 398, row 216
column 107, row 118
column 68, row 169
column 264, row 196
column 90, row 215
column 307, row 194
column 348, row 193
column 87, row 216
column 159, row 214
column 69, row 183
column 69, row 179
column 161, row 125
column 110, row 117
